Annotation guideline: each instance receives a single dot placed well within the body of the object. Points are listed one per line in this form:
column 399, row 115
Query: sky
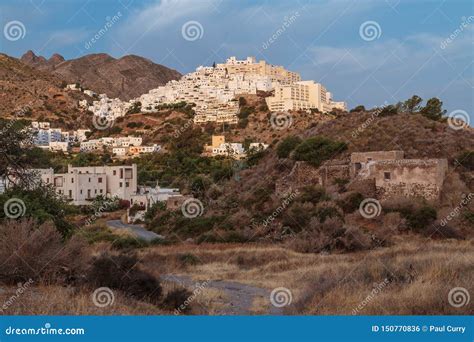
column 368, row 52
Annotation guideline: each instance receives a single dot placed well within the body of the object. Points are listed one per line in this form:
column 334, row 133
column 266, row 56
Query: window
column 120, row 184
column 100, row 191
column 100, row 180
column 115, row 173
column 89, row 179
column 121, row 173
column 386, row 176
column 127, row 184
column 70, row 193
column 81, row 192
column 72, row 180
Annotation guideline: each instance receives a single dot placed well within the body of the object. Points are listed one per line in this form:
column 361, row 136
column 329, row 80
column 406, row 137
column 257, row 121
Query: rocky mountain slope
column 126, row 77
column 36, row 95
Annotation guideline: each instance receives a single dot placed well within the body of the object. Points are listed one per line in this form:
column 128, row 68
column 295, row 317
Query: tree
column 389, row 110
column 15, row 143
column 433, row 109
column 359, row 108
column 412, row 105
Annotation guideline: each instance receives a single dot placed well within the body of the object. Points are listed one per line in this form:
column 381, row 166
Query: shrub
column 121, row 272
column 418, row 217
column 175, row 300
column 287, row 146
column 37, row 252
column 133, row 124
column 242, row 101
column 466, row 159
column 313, row 194
column 356, row 109
column 188, row 259
column 350, row 202
column 316, row 150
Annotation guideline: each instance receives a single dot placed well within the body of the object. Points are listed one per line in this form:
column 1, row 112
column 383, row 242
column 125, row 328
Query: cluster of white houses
column 214, row 92
column 55, row 139
column 121, row 146
column 219, row 147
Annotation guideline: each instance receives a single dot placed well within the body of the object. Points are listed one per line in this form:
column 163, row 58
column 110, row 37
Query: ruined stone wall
column 409, row 178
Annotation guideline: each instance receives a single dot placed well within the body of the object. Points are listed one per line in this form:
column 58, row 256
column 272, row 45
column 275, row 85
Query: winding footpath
column 240, row 296
column 136, row 230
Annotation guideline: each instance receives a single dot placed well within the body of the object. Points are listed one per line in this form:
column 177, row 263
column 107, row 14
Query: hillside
column 126, row 77
column 36, row 95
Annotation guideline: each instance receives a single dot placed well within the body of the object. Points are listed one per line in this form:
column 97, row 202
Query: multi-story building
column 81, row 185
column 302, row 95
column 250, row 66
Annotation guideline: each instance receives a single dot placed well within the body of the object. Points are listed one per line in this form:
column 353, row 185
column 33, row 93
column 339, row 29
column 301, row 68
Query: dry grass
column 56, row 300
column 419, row 274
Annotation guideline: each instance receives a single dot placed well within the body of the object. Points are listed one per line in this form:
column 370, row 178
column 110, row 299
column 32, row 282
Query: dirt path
column 240, row 296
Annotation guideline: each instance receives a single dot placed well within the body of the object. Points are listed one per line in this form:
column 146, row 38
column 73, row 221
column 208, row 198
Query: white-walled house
column 81, row 185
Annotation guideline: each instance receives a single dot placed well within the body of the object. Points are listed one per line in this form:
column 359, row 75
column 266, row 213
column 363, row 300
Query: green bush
column 350, row 202
column 316, row 150
column 287, row 146
column 313, row 194
column 419, row 218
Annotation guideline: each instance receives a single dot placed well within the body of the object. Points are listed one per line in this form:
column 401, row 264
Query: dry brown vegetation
column 418, row 273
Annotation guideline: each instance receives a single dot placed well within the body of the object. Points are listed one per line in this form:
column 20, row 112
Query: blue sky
column 323, row 40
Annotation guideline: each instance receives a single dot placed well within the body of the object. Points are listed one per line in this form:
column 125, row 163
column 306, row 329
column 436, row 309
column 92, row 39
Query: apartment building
column 55, row 139
column 81, row 185
column 302, row 95
column 233, row 66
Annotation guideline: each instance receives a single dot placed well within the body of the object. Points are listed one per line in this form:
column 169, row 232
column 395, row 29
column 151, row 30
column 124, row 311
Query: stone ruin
column 387, row 171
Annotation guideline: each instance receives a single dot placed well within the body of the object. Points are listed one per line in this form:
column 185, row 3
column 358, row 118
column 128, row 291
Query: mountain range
column 126, row 77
